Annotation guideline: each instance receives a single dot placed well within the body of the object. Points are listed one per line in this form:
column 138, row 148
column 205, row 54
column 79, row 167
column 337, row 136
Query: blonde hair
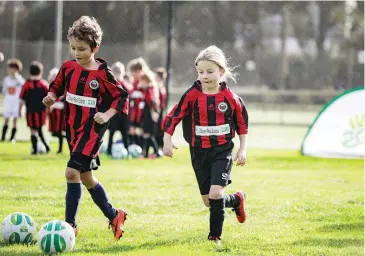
column 216, row 55
column 52, row 74
column 118, row 69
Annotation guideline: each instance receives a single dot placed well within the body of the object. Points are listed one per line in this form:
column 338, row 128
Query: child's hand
column 241, row 157
column 101, row 118
column 167, row 147
column 49, row 99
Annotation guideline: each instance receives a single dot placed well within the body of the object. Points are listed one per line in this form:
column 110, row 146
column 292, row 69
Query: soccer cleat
column 74, row 228
column 216, row 239
column 240, row 210
column 118, row 224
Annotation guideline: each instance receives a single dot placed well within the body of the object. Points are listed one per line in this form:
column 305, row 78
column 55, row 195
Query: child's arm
column 113, row 90
column 240, row 118
column 172, row 120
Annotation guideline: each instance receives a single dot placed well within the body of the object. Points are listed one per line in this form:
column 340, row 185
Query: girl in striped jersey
column 216, row 113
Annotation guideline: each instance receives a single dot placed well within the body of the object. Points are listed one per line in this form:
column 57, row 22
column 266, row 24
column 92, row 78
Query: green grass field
column 296, row 205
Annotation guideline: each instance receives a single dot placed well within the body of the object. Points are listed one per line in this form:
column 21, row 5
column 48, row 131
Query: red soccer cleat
column 240, row 210
column 118, row 224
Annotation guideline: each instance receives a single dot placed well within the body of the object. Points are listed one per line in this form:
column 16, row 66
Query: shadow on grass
column 330, row 242
column 359, row 226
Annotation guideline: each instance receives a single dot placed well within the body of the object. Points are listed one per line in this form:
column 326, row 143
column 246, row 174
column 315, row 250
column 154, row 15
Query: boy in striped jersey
column 216, row 113
column 92, row 96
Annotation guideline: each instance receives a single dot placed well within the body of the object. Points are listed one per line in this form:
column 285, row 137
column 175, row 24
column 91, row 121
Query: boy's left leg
column 99, row 195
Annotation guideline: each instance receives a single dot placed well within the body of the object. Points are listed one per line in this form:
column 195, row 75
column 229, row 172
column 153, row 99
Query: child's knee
column 216, row 192
column 72, row 175
column 88, row 180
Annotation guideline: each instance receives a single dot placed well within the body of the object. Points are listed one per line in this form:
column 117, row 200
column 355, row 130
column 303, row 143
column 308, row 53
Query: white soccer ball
column 135, row 150
column 119, row 151
column 41, row 149
column 18, row 227
column 56, row 236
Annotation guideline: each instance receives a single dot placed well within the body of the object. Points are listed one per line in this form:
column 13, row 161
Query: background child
column 136, row 68
column 149, row 105
column 12, row 85
column 56, row 114
column 32, row 93
column 120, row 121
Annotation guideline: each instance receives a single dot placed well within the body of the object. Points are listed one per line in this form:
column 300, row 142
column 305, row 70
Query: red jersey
column 214, row 117
column 86, row 93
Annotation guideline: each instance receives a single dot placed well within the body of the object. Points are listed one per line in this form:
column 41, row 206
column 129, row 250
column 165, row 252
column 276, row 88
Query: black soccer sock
column 73, row 196
column 40, row 133
column 159, row 140
column 34, row 141
column 125, row 138
column 110, row 143
column 146, row 147
column 60, row 140
column 154, row 145
column 231, row 201
column 13, row 132
column 216, row 217
column 140, row 141
column 100, row 198
column 5, row 129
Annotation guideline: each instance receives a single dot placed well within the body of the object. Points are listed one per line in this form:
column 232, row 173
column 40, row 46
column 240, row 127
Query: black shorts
column 147, row 123
column 212, row 166
column 83, row 163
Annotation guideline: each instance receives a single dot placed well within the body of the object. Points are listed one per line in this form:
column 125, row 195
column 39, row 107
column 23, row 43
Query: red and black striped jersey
column 214, row 117
column 86, row 93
column 32, row 93
column 136, row 97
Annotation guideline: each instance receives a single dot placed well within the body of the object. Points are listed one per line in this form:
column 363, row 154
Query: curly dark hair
column 86, row 29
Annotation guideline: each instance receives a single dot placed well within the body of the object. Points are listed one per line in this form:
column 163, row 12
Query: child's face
column 81, row 51
column 136, row 74
column 144, row 83
column 12, row 71
column 209, row 73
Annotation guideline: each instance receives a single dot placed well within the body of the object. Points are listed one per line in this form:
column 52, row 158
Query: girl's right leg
column 73, row 196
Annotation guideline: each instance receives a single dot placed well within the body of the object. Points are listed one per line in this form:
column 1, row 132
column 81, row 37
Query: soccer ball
column 56, row 236
column 135, row 150
column 119, row 151
column 41, row 149
column 18, row 227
